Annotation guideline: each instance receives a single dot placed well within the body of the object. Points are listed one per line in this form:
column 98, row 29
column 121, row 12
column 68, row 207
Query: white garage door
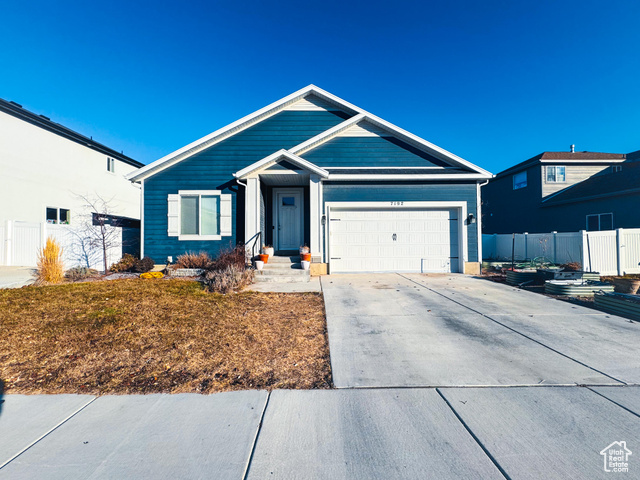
column 393, row 240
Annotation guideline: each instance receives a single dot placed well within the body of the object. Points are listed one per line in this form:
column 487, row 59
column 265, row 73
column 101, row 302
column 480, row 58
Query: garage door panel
column 363, row 240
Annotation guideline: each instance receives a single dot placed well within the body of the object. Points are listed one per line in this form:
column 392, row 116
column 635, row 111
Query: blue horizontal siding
column 369, row 152
column 213, row 168
column 410, row 192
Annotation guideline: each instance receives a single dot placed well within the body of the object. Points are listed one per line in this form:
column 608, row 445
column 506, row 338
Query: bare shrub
column 50, row 266
column 200, row 260
column 125, row 264
column 229, row 279
column 144, row 265
column 571, row 267
column 77, row 274
column 232, row 257
column 129, row 263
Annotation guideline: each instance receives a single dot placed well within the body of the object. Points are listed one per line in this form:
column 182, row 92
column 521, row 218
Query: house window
column 58, row 215
column 520, row 180
column 555, row 174
column 616, row 168
column 200, row 215
column 111, row 165
column 599, row 221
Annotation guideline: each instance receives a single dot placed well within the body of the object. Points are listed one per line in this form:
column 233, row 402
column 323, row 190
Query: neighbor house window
column 600, row 221
column 199, row 215
column 58, row 215
column 555, row 174
column 111, row 165
column 616, row 168
column 520, row 180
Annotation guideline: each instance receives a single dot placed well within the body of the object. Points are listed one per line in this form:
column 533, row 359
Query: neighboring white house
column 45, row 170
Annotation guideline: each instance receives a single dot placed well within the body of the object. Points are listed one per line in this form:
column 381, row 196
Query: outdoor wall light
column 324, row 220
column 471, row 219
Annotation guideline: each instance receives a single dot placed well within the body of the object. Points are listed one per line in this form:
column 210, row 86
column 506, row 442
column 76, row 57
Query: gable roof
column 605, row 184
column 565, row 157
column 275, row 157
column 16, row 110
column 359, row 115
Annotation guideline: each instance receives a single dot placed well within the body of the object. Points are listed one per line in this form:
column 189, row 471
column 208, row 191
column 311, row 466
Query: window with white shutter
column 199, row 215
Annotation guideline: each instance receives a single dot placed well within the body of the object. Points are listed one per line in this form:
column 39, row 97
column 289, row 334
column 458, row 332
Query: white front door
column 288, row 218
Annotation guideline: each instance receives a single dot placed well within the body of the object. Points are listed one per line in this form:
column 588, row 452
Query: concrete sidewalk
column 16, row 277
column 445, row 433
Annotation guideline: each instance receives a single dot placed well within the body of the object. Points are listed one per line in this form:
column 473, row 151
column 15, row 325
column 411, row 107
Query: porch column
column 315, row 215
column 252, row 211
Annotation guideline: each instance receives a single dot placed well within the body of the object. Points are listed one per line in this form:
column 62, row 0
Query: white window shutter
column 225, row 215
column 173, row 215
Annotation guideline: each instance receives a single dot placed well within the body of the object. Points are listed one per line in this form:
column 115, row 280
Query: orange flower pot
column 306, row 257
column 263, row 257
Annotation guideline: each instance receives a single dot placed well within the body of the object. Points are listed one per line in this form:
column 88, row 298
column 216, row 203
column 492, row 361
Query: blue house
column 312, row 169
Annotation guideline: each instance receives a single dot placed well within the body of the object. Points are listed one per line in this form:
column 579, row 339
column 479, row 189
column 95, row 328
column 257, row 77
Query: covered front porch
column 283, row 204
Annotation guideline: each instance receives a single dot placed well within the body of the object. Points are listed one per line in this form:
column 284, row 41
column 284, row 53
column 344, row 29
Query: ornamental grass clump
column 50, row 267
column 200, row 260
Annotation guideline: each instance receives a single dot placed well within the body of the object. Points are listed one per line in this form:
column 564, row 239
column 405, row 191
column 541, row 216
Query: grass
column 153, row 336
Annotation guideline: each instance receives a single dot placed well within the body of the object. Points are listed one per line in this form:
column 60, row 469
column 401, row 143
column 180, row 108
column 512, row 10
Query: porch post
column 315, row 205
column 252, row 210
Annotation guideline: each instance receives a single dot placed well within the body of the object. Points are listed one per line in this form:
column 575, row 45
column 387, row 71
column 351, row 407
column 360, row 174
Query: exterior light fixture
column 471, row 219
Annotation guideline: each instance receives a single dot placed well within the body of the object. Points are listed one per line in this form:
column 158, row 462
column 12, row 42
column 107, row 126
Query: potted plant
column 259, row 265
column 305, row 254
column 263, row 257
column 305, row 264
column 268, row 250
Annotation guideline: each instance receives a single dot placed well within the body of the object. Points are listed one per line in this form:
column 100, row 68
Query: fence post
column 619, row 251
column 584, row 253
column 555, row 247
column 8, row 245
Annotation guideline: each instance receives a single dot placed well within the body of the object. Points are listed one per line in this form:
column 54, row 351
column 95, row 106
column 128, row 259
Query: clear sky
column 495, row 82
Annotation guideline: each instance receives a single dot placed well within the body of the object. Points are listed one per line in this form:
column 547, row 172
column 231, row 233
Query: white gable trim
column 397, row 132
column 273, row 158
column 235, row 127
column 270, row 110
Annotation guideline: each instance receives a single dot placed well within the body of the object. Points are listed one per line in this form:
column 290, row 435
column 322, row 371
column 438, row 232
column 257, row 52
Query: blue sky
column 495, row 82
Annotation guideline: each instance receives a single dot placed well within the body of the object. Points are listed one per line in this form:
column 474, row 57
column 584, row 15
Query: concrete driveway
column 452, row 330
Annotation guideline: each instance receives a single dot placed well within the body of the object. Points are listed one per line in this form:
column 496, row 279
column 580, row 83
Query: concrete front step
column 278, row 259
column 260, row 278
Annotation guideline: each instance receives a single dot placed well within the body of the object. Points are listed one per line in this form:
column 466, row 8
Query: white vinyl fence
column 21, row 241
column 610, row 252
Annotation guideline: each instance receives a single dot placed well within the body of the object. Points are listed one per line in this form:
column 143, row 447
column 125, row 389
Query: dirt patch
column 159, row 336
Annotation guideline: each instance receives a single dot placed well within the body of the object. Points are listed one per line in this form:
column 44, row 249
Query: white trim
column 463, row 256
column 585, row 161
column 199, row 237
column 252, row 210
column 272, row 109
column 273, row 158
column 416, row 176
column 274, row 201
column 408, row 137
column 142, row 219
column 315, row 215
column 326, row 135
column 389, row 168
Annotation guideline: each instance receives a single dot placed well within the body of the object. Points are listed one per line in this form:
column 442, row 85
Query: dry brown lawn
column 152, row 336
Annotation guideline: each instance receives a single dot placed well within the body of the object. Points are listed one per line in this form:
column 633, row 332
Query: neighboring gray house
column 313, row 169
column 565, row 192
